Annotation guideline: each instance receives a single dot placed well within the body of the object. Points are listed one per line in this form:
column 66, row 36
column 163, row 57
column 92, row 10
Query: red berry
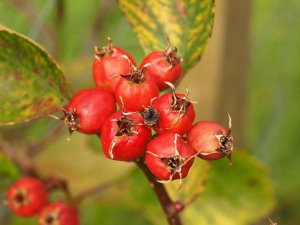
column 58, row 213
column 27, row 196
column 176, row 113
column 136, row 90
column 109, row 62
column 211, row 140
column 88, row 110
column 169, row 157
column 124, row 137
column 163, row 66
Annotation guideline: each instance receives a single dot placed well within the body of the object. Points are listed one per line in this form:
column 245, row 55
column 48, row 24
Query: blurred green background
column 250, row 69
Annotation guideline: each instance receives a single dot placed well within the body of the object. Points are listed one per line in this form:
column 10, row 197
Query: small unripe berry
column 27, row 196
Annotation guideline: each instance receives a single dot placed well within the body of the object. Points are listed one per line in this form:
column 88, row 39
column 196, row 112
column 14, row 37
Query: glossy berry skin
column 124, row 138
column 136, row 95
column 108, row 66
column 88, row 109
column 170, row 119
column 58, row 213
column 161, row 69
column 212, row 141
column 169, row 157
column 27, row 196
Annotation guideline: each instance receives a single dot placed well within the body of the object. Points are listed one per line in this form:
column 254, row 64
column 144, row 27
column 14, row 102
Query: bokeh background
column 250, row 69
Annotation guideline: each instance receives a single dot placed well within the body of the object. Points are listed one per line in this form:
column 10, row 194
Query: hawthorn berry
column 58, row 213
column 88, row 109
column 169, row 157
column 136, row 89
column 124, row 136
column 109, row 62
column 176, row 113
column 211, row 140
column 163, row 66
column 27, row 196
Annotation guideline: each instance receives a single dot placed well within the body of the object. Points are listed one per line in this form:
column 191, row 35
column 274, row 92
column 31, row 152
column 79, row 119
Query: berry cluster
column 28, row 196
column 158, row 129
column 126, row 134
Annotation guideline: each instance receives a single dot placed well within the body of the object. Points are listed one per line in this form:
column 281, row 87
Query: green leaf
column 139, row 195
column 90, row 172
column 236, row 195
column 188, row 24
column 214, row 193
column 93, row 143
column 31, row 83
column 272, row 127
column 194, row 185
column 8, row 170
column 17, row 220
column 111, row 213
column 74, row 46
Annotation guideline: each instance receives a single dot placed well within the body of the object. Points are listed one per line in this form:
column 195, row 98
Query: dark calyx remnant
column 226, row 143
column 150, row 116
column 108, row 50
column 52, row 218
column 71, row 120
column 20, row 198
column 125, row 126
column 49, row 220
column 171, row 56
column 179, row 104
column 136, row 76
column 173, row 163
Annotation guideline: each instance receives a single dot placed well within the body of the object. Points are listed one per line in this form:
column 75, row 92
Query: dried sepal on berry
column 87, row 110
column 136, row 89
column 176, row 112
column 164, row 66
column 109, row 62
column 124, row 136
column 212, row 141
column 169, row 157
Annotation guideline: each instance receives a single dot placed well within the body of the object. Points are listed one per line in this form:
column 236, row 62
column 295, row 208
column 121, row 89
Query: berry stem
column 162, row 195
column 54, row 183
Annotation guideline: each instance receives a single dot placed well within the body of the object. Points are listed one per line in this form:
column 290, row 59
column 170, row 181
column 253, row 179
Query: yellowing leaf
column 187, row 23
column 31, row 83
